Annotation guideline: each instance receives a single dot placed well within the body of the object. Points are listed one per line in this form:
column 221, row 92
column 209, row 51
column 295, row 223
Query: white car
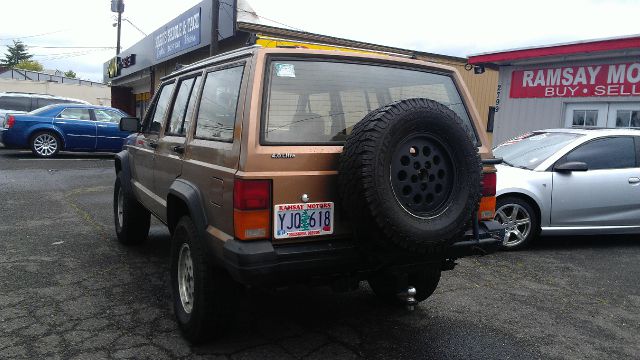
column 568, row 182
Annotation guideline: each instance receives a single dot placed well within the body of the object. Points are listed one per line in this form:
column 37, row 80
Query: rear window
column 321, row 101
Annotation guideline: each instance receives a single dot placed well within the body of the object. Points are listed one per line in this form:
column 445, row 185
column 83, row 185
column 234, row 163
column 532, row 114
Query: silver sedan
column 568, row 181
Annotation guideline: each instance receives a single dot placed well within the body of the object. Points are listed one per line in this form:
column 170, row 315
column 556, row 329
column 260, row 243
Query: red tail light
column 252, row 209
column 11, row 120
column 489, row 184
column 252, row 194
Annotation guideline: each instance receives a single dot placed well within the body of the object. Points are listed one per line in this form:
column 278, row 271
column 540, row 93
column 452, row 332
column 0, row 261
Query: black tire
column 132, row 224
column 45, row 144
column 213, row 292
column 386, row 285
column 370, row 172
column 504, row 212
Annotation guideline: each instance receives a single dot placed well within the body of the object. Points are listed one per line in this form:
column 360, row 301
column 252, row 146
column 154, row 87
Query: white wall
column 521, row 115
column 96, row 94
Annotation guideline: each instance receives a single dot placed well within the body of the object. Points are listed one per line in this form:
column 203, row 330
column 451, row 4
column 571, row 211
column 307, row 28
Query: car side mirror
column 130, row 124
column 572, row 166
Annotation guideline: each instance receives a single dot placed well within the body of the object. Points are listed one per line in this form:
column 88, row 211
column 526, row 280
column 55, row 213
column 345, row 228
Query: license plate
column 299, row 220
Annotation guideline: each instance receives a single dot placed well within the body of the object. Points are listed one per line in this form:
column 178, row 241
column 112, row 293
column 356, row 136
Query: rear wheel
column 132, row 220
column 386, row 286
column 203, row 296
column 521, row 222
column 45, row 144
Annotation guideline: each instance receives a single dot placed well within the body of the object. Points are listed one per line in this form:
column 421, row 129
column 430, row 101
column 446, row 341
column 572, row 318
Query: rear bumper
column 260, row 262
column 9, row 140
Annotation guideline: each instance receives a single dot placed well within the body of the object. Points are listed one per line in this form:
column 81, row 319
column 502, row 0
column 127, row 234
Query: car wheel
column 132, row 220
column 203, row 296
column 521, row 222
column 409, row 177
column 387, row 285
column 45, row 144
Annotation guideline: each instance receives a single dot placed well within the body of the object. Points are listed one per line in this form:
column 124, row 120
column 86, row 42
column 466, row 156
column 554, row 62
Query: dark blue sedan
column 68, row 127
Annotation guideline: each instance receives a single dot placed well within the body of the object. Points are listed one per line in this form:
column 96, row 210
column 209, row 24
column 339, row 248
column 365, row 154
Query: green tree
column 32, row 65
column 70, row 74
column 15, row 54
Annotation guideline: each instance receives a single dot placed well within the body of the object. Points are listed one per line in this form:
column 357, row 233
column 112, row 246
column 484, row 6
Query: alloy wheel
column 45, row 144
column 517, row 221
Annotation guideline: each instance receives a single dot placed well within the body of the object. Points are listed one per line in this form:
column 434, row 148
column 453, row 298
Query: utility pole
column 119, row 28
column 215, row 14
column 118, row 6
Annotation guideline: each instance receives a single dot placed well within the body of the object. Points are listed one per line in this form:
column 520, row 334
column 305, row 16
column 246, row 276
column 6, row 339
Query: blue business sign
column 180, row 34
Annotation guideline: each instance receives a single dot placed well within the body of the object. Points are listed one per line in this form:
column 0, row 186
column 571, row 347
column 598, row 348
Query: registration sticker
column 300, row 220
column 285, row 70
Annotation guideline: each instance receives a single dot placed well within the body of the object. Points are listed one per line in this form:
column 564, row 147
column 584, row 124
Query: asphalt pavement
column 68, row 290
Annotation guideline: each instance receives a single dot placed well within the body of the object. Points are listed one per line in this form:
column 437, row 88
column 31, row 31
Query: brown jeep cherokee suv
column 274, row 166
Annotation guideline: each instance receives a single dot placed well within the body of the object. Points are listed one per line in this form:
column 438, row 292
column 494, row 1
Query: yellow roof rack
column 271, row 42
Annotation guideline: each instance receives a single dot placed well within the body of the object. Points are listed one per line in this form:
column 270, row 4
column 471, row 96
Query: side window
column 218, row 104
column 607, row 153
column 15, row 103
column 160, row 109
column 110, row 116
column 75, row 113
column 191, row 107
column 183, row 102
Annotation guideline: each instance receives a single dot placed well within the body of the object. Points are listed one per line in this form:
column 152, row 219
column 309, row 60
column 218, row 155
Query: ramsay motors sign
column 577, row 81
column 180, row 34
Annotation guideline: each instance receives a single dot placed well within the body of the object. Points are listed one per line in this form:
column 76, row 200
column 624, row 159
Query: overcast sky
column 457, row 28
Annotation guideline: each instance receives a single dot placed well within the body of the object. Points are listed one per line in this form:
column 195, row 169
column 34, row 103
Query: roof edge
column 570, row 48
column 303, row 35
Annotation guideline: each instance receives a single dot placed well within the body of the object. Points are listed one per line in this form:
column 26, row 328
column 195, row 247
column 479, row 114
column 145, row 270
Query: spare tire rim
column 422, row 175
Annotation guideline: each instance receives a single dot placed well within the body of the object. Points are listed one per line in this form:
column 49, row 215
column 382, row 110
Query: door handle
column 152, row 144
column 634, row 180
column 179, row 149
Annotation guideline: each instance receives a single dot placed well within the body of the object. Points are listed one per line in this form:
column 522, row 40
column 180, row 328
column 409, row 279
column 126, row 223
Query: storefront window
column 627, row 118
column 585, row 117
column 142, row 103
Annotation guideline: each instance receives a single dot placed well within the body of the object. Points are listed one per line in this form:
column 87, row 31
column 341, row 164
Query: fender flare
column 121, row 165
column 187, row 193
column 46, row 127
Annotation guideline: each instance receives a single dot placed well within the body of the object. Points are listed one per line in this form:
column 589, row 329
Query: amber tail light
column 488, row 201
column 251, row 209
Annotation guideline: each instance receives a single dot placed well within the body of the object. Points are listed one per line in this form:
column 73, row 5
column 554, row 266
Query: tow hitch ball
column 408, row 297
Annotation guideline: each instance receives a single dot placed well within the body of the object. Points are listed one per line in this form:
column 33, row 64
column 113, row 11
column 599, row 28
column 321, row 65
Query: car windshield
column 530, row 150
column 320, row 101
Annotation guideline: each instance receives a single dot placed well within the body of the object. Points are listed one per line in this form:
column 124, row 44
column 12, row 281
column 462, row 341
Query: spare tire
column 409, row 177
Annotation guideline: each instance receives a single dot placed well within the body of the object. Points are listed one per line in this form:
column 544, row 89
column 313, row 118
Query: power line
column 32, row 36
column 59, row 56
